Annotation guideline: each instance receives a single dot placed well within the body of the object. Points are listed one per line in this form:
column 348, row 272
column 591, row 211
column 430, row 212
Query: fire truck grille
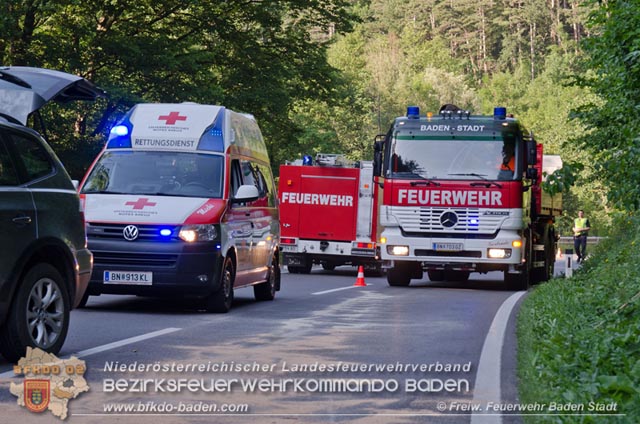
column 462, row 254
column 447, row 220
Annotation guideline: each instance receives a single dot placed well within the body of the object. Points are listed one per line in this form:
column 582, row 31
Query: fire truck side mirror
column 532, row 152
column 378, row 147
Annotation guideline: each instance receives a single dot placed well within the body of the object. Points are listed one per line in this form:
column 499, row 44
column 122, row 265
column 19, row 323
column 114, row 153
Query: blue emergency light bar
column 499, row 113
column 120, row 135
column 413, row 112
column 213, row 138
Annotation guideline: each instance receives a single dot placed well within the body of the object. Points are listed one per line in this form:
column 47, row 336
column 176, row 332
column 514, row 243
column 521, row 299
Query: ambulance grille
column 115, row 231
column 428, row 219
column 149, row 260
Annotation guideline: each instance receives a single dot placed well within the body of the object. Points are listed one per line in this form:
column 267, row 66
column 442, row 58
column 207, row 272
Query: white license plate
column 447, row 247
column 288, row 248
column 127, row 277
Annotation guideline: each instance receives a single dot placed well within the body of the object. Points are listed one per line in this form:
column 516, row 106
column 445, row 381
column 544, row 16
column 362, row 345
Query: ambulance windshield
column 157, row 173
column 452, row 159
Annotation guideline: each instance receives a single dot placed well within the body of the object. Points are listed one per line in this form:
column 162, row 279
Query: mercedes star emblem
column 448, row 219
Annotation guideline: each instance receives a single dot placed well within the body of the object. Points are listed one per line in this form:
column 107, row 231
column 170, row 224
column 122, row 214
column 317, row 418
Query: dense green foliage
column 613, row 120
column 579, row 338
column 257, row 57
column 327, row 76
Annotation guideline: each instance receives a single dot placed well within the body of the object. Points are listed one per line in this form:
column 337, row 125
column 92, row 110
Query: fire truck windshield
column 452, row 159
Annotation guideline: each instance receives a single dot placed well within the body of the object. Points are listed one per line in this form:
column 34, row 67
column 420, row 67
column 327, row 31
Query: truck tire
column 267, row 290
column 328, row 266
column 545, row 273
column 220, row 301
column 399, row 275
column 516, row 282
column 456, row 275
column 39, row 314
column 436, row 275
column 300, row 269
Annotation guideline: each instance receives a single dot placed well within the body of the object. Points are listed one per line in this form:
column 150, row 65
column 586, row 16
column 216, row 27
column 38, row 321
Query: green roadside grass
column 579, row 338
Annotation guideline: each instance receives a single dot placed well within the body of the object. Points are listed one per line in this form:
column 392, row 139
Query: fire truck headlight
column 193, row 233
column 499, row 253
column 398, row 250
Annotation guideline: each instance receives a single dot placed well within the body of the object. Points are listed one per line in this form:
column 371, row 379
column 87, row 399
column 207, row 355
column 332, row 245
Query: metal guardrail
column 590, row 240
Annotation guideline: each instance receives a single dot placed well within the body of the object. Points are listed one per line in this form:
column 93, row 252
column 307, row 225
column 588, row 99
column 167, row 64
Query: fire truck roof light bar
column 413, row 112
column 499, row 113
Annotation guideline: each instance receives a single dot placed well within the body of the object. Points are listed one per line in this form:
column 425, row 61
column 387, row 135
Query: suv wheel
column 39, row 316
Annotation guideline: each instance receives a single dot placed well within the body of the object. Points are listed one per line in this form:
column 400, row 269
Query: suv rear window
column 8, row 174
column 34, row 157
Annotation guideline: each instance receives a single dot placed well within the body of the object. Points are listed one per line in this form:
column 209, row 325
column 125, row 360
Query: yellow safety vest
column 580, row 223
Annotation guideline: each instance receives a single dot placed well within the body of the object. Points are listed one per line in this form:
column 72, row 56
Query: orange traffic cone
column 360, row 280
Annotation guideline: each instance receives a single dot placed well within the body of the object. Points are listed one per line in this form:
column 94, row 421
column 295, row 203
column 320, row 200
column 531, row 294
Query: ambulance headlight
column 193, row 233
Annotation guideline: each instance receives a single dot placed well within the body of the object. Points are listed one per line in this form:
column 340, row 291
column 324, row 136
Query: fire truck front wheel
column 400, row 274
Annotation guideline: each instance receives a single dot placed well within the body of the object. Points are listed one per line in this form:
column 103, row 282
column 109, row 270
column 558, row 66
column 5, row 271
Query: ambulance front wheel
column 220, row 301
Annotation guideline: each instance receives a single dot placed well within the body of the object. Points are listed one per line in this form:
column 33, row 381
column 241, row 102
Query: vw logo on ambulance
column 130, row 232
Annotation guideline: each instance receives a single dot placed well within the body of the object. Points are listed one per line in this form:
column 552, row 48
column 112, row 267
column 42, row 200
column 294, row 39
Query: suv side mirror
column 246, row 193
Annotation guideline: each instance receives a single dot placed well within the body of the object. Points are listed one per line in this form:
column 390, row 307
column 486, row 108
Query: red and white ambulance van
column 182, row 202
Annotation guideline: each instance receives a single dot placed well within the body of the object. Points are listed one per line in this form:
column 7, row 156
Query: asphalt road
column 423, row 336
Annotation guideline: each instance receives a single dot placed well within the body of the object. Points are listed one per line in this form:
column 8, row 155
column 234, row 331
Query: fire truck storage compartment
column 320, row 202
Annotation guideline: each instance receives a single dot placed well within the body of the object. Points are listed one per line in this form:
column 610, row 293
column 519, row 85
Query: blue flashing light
column 213, row 137
column 499, row 113
column 413, row 112
column 165, row 232
column 474, row 222
column 120, row 130
column 120, row 134
column 307, row 160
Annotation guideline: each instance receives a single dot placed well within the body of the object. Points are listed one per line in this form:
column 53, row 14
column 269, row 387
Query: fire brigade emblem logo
column 130, row 232
column 36, row 394
column 449, row 219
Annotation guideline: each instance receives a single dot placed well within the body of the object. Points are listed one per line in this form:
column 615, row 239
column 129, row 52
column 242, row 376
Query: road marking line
column 338, row 289
column 487, row 387
column 110, row 346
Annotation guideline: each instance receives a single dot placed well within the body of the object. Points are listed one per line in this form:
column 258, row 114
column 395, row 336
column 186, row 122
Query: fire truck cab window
column 449, row 159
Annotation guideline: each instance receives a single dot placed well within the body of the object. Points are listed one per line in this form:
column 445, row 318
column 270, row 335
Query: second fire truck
column 326, row 208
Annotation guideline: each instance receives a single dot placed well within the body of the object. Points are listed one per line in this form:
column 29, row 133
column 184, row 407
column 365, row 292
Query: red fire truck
column 459, row 193
column 326, row 209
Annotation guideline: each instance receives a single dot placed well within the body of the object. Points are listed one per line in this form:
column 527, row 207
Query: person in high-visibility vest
column 581, row 229
column 508, row 164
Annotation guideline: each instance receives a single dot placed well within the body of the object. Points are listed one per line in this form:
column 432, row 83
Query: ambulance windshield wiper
column 488, row 183
column 103, row 192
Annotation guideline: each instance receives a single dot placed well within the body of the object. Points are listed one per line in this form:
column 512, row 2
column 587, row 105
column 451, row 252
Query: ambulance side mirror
column 246, row 193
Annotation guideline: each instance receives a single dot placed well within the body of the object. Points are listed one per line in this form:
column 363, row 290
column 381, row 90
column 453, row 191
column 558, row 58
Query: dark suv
column 45, row 265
